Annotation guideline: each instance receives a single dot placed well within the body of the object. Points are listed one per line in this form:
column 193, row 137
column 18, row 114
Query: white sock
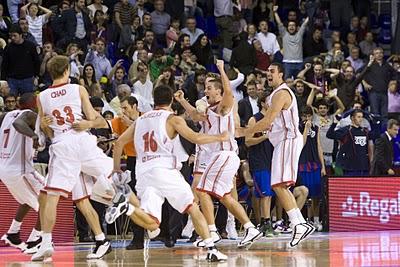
column 248, row 225
column 212, row 227
column 293, row 217
column 14, row 227
column 46, row 240
column 100, row 237
column 35, row 235
column 274, row 218
column 316, row 219
column 209, row 242
column 300, row 216
column 131, row 210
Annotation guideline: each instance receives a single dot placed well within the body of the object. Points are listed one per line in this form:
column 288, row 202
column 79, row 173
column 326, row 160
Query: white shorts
column 200, row 162
column 72, row 155
column 285, row 161
column 83, row 187
column 217, row 180
column 158, row 184
column 26, row 188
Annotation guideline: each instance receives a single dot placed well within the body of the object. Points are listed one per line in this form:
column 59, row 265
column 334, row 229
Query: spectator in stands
column 56, row 20
column 292, row 42
column 48, row 53
column 142, row 56
column 99, row 26
column 335, row 56
column 334, row 38
column 202, row 50
column 356, row 62
column 394, row 100
column 21, row 63
column 159, row 61
column 172, row 34
column 248, row 106
column 347, row 83
column 268, row 39
column 4, row 90
column 223, row 12
column 10, row 103
column 346, row 118
column 97, row 57
column 145, row 25
column 195, row 89
column 191, row 30
column 13, row 9
column 252, row 32
column 123, row 90
column 314, row 44
column 262, row 11
column 140, row 9
column 377, row 82
column 161, row 21
column 382, row 164
column 124, row 13
column 340, row 14
column 5, row 24
column 23, row 24
column 143, row 86
column 189, row 62
column 74, row 26
column 74, row 52
column 311, row 163
column 368, row 45
column 301, row 94
column 244, row 56
column 36, row 23
column 117, row 76
column 319, row 76
column 150, row 43
column 96, row 6
column 356, row 146
column 183, row 43
column 263, row 60
column 166, row 78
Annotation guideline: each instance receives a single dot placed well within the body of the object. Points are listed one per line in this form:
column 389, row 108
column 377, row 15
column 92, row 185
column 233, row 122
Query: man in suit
column 247, row 107
column 383, row 156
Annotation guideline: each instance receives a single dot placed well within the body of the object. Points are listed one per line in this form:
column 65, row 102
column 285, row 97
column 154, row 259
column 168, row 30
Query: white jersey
column 63, row 103
column 286, row 124
column 16, row 150
column 217, row 124
column 153, row 146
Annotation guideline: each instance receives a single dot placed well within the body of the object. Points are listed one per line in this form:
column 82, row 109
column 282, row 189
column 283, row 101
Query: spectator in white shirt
column 30, row 12
column 268, row 39
column 191, row 30
column 143, row 86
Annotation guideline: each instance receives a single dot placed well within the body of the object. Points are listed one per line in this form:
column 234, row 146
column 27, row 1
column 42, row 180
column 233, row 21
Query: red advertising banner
column 364, row 203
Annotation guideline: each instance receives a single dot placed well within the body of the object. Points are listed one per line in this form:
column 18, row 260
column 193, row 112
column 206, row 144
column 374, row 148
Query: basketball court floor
column 322, row 249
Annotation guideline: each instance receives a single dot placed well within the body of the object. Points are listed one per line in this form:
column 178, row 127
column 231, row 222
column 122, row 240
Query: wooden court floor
column 326, row 249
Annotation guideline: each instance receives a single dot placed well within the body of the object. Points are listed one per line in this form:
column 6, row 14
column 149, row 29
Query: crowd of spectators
column 347, row 88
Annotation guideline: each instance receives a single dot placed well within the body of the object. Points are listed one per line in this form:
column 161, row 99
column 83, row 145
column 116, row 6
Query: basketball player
column 18, row 141
column 158, row 177
column 282, row 122
column 221, row 158
column 72, row 151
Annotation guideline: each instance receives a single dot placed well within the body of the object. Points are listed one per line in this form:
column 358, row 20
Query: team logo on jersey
column 360, row 140
column 311, row 133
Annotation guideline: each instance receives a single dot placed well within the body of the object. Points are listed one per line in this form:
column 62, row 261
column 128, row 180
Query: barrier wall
column 363, row 203
column 63, row 231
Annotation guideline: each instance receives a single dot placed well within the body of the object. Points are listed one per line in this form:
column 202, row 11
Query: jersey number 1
column 69, row 115
column 149, row 142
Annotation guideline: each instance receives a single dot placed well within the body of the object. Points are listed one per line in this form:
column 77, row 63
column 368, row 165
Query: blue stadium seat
column 373, row 21
column 212, row 29
column 385, row 21
column 385, row 36
column 201, row 23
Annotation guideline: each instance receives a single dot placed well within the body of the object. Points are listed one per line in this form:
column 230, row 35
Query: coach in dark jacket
column 383, row 156
column 69, row 26
column 247, row 107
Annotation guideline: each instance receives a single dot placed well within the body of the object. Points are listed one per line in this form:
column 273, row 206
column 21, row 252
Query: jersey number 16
column 149, row 142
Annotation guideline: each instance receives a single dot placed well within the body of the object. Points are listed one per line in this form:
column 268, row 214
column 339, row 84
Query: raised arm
column 93, row 118
column 333, row 72
column 279, row 101
column 180, row 126
column 340, row 105
column 303, row 72
column 192, row 111
column 47, row 12
column 227, row 98
column 276, row 15
column 252, row 140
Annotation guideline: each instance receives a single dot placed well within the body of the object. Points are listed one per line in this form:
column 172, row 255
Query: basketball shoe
column 213, row 255
column 252, row 234
column 102, row 248
column 300, row 233
column 214, row 235
column 14, row 240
